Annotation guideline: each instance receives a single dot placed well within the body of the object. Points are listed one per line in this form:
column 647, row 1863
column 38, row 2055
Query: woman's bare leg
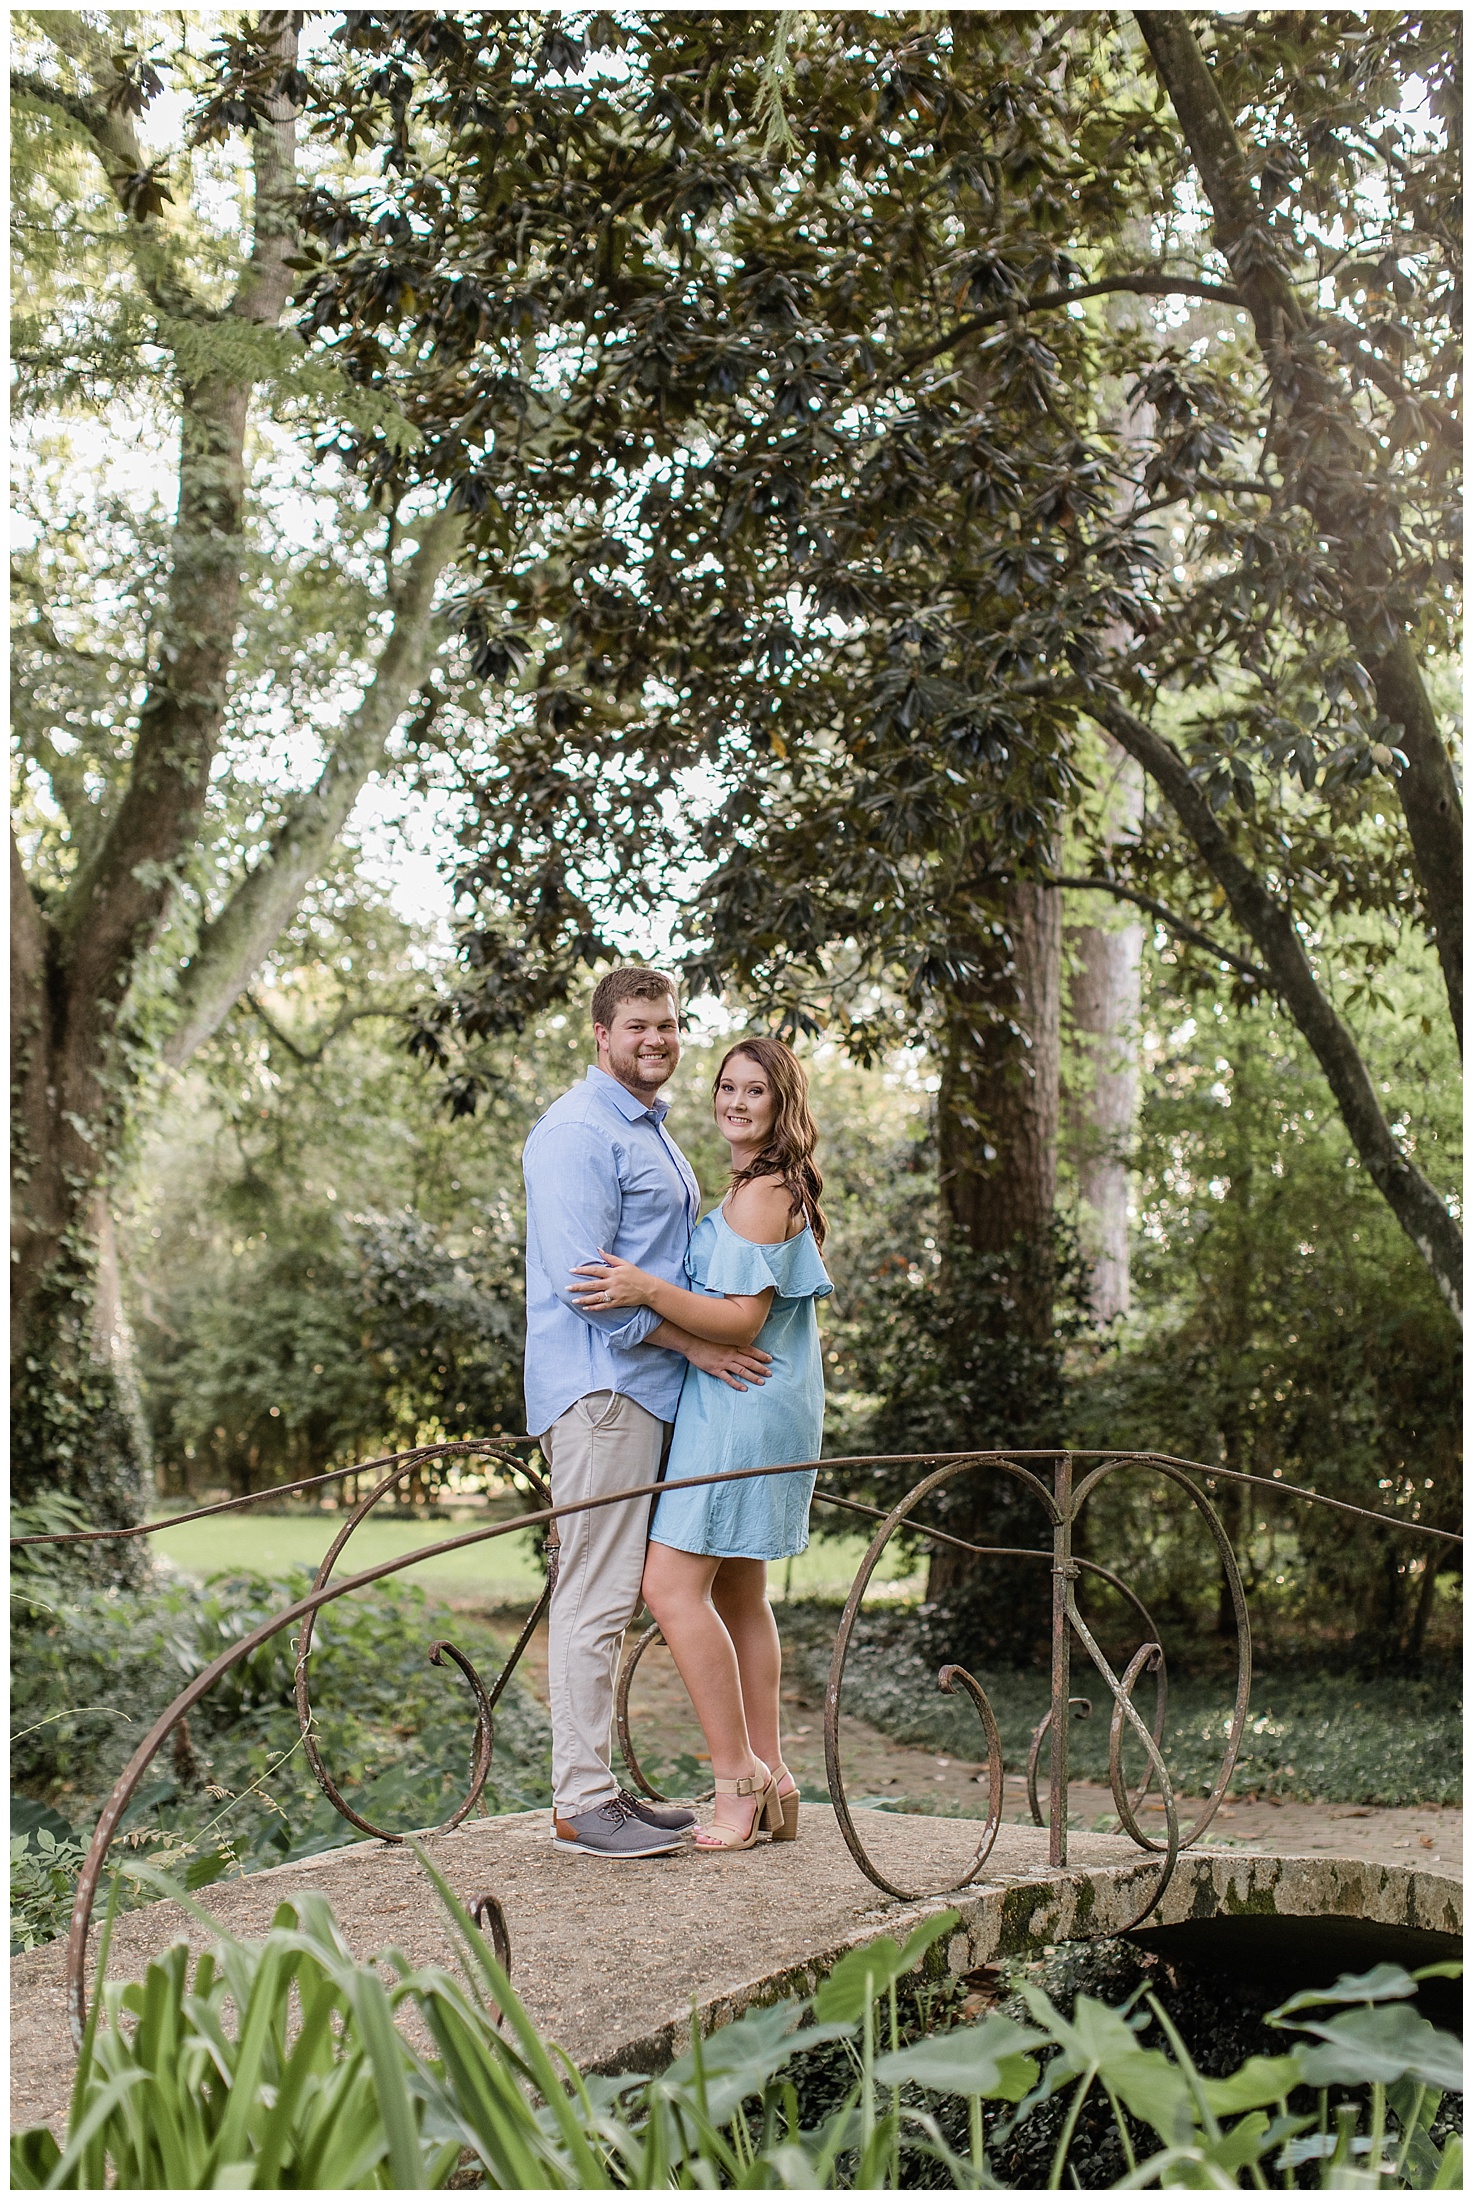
column 677, row 1589
column 739, row 1593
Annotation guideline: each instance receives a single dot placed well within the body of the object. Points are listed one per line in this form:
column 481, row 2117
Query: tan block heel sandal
column 787, row 1804
column 768, row 1814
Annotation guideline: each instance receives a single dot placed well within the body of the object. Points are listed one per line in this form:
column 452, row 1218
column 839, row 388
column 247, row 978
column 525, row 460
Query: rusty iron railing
column 1052, row 1477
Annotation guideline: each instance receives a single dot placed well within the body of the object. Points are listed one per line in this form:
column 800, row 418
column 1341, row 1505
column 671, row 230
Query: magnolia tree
column 837, row 444
column 860, row 531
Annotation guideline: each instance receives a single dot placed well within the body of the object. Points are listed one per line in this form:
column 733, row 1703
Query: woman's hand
column 611, row 1282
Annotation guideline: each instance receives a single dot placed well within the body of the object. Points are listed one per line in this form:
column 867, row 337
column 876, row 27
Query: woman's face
column 745, row 1102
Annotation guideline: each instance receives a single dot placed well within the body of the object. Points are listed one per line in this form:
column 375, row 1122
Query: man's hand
column 736, row 1365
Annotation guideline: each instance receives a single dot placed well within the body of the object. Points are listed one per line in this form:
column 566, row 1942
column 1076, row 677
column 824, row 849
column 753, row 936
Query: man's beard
column 644, row 1077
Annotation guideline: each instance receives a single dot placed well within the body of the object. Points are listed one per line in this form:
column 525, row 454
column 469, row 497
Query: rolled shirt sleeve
column 574, row 1207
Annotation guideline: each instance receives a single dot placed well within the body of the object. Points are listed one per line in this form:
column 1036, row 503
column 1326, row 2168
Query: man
column 603, row 1174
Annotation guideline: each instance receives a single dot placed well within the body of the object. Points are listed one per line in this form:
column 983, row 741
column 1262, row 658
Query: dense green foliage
column 1279, row 1328
column 343, row 2100
column 1311, row 1735
column 856, row 497
column 233, row 1791
column 1285, row 1333
column 323, row 1240
column 343, row 1277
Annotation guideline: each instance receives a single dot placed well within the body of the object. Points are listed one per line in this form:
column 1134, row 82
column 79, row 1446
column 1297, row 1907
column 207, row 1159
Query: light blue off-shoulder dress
column 765, row 1425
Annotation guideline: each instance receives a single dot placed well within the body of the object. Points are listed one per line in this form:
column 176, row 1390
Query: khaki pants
column 602, row 1443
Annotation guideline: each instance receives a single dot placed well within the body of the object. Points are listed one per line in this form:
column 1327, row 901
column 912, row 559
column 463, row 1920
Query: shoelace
column 618, row 1809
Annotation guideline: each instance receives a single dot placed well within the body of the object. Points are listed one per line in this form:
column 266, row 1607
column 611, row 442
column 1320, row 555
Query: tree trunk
column 1105, row 1002
column 82, row 959
column 1426, row 1598
column 73, row 964
column 76, row 1427
column 112, row 1334
column 1104, row 957
column 998, row 1127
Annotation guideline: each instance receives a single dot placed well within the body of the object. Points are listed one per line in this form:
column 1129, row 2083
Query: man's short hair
column 630, row 982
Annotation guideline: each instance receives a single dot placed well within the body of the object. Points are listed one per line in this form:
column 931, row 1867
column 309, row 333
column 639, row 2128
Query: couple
column 655, row 1342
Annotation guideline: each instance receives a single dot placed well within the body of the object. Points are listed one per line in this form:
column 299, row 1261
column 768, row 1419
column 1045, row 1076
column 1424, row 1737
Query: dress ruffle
column 720, row 1261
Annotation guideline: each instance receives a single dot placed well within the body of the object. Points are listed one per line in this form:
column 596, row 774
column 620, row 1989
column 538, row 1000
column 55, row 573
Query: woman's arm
column 736, row 1365
column 610, row 1282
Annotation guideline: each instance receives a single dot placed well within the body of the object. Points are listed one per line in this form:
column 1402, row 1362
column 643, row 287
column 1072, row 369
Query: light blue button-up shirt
column 602, row 1172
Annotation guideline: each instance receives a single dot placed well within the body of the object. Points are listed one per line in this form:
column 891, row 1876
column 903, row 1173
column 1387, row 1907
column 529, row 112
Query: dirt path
column 916, row 1779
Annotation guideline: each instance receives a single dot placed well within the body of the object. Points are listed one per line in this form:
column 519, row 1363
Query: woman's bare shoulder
column 761, row 1210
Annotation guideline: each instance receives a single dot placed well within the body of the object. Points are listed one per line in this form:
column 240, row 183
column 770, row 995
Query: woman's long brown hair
column 789, row 1151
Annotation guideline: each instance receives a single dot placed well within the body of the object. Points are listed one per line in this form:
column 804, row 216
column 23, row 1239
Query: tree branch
column 116, row 143
column 1323, row 414
column 1270, row 925
column 25, row 84
column 234, row 944
column 1350, row 342
column 265, row 286
column 118, row 896
column 335, row 1030
column 1173, row 923
column 1139, row 286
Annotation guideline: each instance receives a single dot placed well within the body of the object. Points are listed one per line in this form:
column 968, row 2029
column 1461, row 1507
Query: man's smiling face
column 641, row 1046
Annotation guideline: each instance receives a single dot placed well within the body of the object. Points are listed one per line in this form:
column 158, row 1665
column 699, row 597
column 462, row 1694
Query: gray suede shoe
column 669, row 1817
column 615, row 1828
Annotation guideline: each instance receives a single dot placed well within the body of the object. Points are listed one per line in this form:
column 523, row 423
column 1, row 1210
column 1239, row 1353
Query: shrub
column 235, row 1791
column 43, row 1881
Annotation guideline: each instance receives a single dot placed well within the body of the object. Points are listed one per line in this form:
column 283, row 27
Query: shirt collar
column 630, row 1106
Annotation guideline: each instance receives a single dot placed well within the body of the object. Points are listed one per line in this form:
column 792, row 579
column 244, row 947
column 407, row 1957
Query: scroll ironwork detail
column 1051, row 1477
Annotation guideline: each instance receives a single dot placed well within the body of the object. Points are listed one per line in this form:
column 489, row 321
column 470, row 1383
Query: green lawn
column 505, row 1571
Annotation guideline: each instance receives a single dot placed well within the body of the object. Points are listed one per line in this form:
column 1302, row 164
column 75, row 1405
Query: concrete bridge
column 610, row 1958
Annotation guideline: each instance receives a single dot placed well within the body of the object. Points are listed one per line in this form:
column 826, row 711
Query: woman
column 756, row 1267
